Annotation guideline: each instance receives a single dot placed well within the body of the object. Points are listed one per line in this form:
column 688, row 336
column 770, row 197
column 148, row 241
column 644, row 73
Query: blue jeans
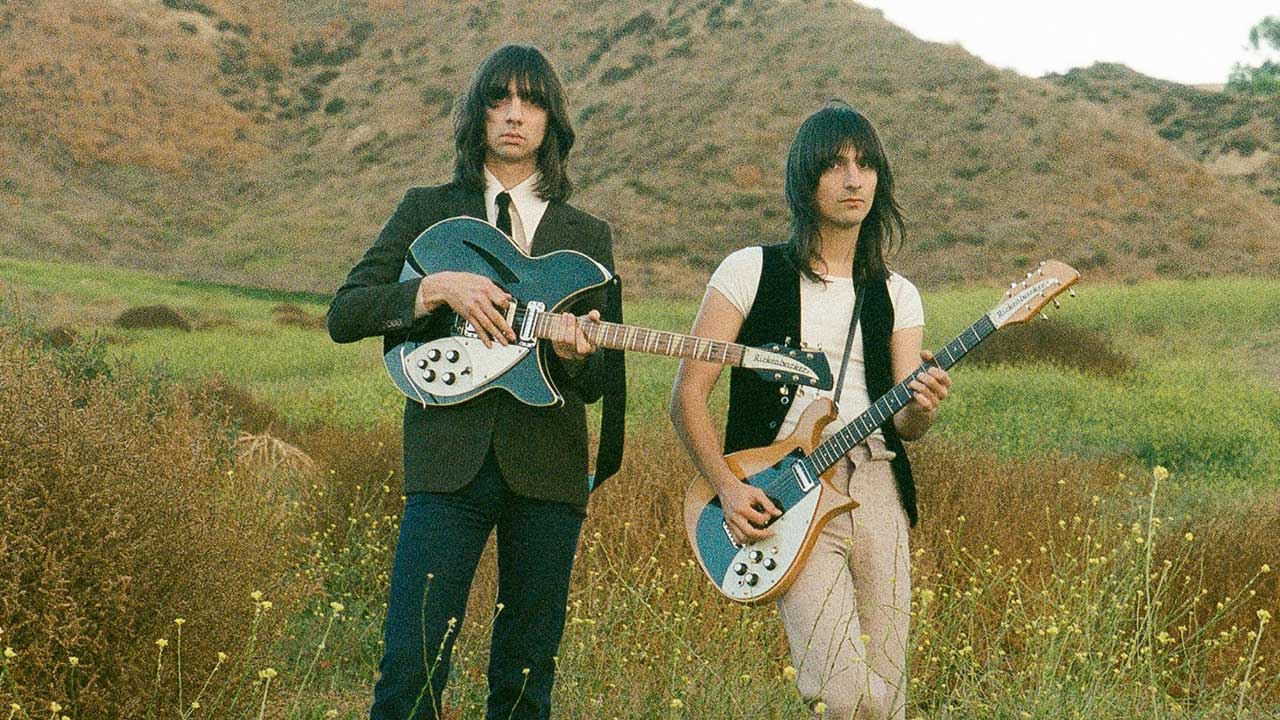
column 441, row 538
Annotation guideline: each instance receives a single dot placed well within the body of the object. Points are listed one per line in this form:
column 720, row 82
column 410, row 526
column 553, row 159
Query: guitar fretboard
column 552, row 326
column 883, row 409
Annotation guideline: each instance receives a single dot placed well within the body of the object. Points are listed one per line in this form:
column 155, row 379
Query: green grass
column 1201, row 400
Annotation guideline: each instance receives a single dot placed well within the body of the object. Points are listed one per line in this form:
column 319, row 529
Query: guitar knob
column 449, row 378
column 422, row 364
column 752, row 579
column 429, row 376
column 451, row 356
column 755, row 556
column 770, row 564
column 740, row 569
column 433, row 354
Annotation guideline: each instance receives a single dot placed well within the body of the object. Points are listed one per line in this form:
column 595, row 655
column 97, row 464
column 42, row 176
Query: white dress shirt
column 526, row 208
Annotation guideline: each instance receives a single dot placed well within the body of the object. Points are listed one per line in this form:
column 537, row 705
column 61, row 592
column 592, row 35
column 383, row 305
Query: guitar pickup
column 531, row 313
column 525, row 333
column 803, row 476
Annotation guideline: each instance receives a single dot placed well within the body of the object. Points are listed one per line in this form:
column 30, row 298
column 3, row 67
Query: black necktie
column 504, row 213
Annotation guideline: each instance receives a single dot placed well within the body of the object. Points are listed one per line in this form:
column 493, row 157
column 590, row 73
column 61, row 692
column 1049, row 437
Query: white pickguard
column 456, row 365
column 782, row 547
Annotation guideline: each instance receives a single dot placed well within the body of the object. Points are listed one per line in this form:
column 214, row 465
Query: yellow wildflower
column 820, row 708
column 676, row 703
column 222, row 657
column 54, row 707
column 9, row 653
column 337, row 607
column 1189, row 537
column 162, row 643
column 789, row 672
column 267, row 673
column 1264, row 616
column 179, row 622
column 75, row 661
column 1160, row 473
column 256, row 595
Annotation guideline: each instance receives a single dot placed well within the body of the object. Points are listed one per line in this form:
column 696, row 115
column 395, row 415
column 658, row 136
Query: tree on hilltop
column 1261, row 79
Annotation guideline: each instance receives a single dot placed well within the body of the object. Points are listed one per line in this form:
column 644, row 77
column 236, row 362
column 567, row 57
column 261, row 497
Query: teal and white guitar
column 794, row 472
column 458, row 367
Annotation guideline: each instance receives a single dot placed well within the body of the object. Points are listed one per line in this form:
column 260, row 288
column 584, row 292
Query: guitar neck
column 552, row 326
column 884, row 408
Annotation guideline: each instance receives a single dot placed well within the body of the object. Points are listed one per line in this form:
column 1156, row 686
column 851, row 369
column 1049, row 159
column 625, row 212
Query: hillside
column 1236, row 136
column 266, row 142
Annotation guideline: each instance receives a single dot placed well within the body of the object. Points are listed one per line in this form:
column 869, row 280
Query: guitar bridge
column 737, row 545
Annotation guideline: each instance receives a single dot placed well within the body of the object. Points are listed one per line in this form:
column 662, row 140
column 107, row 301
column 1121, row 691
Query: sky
column 1187, row 42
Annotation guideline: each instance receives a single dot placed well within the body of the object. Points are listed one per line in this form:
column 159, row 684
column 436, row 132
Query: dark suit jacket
column 542, row 452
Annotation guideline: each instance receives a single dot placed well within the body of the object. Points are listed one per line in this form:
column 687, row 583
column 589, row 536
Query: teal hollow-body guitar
column 795, row 471
column 457, row 367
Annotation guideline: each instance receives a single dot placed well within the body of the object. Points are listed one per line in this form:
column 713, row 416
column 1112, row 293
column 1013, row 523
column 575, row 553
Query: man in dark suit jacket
column 492, row 461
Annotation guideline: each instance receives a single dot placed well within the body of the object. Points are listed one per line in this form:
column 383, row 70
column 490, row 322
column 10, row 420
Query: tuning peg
column 1072, row 291
column 1055, row 303
column 1043, row 316
column 1013, row 285
column 1028, row 276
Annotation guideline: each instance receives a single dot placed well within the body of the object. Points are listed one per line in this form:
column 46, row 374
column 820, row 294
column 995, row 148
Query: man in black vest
column 492, row 461
column 846, row 615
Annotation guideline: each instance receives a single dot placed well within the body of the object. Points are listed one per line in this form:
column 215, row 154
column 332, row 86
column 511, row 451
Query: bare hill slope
column 266, row 142
column 1235, row 135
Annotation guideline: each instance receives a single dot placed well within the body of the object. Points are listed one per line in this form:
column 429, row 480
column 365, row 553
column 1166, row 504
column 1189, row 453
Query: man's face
column 845, row 191
column 514, row 129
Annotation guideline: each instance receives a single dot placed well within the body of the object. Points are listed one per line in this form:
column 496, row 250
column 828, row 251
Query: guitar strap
column 613, row 410
column 848, row 341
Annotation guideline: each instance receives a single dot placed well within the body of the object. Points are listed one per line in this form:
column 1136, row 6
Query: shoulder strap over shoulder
column 613, row 411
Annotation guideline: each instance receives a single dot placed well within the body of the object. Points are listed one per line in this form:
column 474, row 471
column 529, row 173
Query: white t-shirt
column 826, row 309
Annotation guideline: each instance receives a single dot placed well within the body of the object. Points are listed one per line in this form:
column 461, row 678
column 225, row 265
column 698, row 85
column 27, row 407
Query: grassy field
column 1200, row 396
column 1054, row 577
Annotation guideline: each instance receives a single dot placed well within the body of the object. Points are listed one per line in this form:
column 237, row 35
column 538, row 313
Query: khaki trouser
column 847, row 615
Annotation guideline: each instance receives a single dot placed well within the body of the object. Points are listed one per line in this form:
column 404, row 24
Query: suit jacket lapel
column 466, row 202
column 553, row 231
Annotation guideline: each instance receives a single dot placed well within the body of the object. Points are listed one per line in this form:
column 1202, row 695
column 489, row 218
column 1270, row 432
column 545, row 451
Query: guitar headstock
column 1026, row 298
column 787, row 365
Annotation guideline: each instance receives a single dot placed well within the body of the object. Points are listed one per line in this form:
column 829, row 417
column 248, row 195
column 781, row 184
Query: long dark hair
column 819, row 142
column 537, row 82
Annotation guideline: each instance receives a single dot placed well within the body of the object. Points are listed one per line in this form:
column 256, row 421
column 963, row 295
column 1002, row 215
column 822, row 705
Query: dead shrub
column 152, row 317
column 60, row 337
column 1087, row 351
column 1012, row 506
column 118, row 514
column 265, row 454
column 290, row 314
column 354, row 463
column 240, row 409
column 1231, row 543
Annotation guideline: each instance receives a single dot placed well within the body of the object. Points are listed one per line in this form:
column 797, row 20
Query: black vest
column 757, row 407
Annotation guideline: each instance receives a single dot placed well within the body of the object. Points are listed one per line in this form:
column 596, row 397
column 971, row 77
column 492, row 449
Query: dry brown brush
column 120, row 512
column 1088, row 351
